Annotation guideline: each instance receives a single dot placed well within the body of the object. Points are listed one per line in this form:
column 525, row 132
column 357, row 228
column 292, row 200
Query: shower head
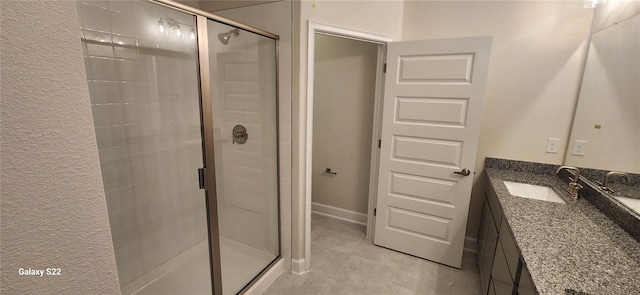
column 224, row 37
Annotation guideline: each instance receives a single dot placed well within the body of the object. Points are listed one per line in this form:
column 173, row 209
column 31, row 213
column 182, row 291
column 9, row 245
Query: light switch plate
column 552, row 145
column 579, row 147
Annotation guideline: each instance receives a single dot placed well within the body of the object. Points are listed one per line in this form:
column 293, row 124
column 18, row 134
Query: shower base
column 188, row 273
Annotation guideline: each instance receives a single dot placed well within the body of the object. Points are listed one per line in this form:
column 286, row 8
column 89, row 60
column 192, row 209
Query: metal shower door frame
column 206, row 117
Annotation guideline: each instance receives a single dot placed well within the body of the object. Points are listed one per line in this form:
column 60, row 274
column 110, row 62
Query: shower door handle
column 202, row 178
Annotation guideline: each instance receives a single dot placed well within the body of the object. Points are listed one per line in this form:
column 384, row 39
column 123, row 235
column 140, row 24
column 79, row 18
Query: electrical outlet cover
column 552, row 145
column 579, row 147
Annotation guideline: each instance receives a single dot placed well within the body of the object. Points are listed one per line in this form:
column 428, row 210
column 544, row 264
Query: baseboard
column 267, row 279
column 470, row 245
column 298, row 266
column 339, row 213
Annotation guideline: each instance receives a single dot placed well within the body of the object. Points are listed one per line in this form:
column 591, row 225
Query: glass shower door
column 142, row 72
column 244, row 107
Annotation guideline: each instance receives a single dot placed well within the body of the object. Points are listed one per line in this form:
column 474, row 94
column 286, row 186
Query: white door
column 431, row 122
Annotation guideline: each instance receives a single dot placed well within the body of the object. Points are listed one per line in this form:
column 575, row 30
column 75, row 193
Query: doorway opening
column 343, row 104
column 344, row 94
column 429, row 131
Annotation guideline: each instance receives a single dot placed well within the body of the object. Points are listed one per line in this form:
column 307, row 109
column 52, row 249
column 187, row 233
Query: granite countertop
column 568, row 246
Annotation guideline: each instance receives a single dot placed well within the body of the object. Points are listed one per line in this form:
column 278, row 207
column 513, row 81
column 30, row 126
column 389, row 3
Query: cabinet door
column 500, row 275
column 494, row 205
column 526, row 286
column 485, row 222
column 489, row 251
column 492, row 290
column 484, row 231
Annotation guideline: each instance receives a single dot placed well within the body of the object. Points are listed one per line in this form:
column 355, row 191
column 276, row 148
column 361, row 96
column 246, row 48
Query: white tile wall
column 146, row 112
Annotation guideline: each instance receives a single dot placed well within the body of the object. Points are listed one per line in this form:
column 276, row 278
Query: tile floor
column 344, row 262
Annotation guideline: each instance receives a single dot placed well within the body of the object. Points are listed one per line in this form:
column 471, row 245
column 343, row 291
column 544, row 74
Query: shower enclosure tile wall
column 145, row 103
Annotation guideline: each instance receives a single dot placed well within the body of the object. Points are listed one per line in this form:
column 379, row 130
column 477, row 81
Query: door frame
column 340, row 32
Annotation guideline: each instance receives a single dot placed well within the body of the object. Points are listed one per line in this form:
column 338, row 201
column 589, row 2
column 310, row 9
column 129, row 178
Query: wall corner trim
column 298, row 266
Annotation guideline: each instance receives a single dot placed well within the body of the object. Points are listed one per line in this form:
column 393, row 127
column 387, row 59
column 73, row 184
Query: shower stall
column 185, row 112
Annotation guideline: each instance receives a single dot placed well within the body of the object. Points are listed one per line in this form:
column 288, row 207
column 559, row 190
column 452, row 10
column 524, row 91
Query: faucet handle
column 574, row 186
column 574, row 189
column 577, row 170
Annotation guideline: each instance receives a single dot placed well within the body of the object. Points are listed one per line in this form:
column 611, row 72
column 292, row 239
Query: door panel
column 426, row 150
column 436, row 68
column 432, row 111
column 431, row 121
column 425, row 225
column 243, row 83
column 146, row 109
column 425, row 189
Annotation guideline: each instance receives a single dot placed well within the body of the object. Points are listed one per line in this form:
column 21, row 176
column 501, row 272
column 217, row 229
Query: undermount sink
column 531, row 191
column 631, row 203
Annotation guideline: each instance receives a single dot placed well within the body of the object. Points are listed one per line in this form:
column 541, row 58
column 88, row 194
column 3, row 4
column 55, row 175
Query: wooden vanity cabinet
column 487, row 241
column 500, row 276
column 492, row 290
column 511, row 252
column 525, row 285
column 502, row 270
column 507, row 264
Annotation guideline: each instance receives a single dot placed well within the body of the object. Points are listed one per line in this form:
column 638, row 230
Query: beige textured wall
column 53, row 206
column 380, row 17
column 343, row 121
column 534, row 75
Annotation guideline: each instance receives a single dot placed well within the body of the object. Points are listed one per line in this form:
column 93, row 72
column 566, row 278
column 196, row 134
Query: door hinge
column 384, row 68
column 374, row 211
column 379, row 142
column 202, row 178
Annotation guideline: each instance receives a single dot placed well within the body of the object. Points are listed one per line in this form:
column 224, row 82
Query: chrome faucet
column 574, row 186
column 604, row 183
